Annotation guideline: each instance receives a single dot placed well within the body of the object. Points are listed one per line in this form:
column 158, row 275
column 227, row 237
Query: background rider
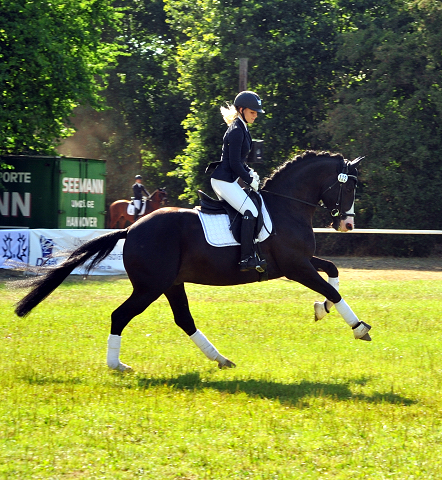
column 138, row 189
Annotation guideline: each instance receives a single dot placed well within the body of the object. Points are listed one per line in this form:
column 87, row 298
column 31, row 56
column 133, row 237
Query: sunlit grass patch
column 306, row 400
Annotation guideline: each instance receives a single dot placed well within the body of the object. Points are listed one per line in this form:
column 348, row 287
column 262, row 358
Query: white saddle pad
column 217, row 232
column 131, row 209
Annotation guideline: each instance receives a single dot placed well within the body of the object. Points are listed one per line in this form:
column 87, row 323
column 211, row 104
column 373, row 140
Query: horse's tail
column 44, row 285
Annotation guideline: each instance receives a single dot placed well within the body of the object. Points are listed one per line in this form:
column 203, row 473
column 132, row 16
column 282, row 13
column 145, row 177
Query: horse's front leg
column 307, row 275
column 321, row 265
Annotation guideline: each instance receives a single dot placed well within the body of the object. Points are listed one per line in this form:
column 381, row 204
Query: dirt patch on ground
column 389, row 268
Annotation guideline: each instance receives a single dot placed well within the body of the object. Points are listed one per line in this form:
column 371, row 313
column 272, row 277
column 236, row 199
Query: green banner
column 82, row 188
column 52, row 192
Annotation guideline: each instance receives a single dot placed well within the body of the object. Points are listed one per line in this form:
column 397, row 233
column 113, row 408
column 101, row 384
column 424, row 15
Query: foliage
column 291, row 60
column 357, row 76
column 52, row 57
column 306, row 400
column 141, row 131
column 388, row 106
column 143, row 90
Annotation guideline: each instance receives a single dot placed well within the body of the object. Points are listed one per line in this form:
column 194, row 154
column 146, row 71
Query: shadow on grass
column 295, row 394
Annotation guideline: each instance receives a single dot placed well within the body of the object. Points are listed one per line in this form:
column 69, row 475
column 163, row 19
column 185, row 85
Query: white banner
column 14, row 246
column 46, row 246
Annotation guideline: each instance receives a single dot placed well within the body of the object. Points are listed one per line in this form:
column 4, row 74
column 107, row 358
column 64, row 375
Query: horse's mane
column 286, row 168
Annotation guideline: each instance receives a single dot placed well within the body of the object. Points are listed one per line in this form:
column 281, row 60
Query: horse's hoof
column 361, row 330
column 124, row 368
column 320, row 311
column 226, row 364
column 121, row 367
column 366, row 337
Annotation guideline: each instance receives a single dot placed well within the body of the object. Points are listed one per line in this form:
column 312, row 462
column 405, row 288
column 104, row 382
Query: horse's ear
column 356, row 160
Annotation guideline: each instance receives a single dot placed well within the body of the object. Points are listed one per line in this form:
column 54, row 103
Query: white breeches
column 234, row 195
column 137, row 204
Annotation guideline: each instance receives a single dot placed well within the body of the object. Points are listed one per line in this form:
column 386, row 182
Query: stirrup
column 253, row 263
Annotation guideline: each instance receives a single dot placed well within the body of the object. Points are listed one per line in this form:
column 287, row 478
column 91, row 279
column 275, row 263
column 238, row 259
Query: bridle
column 341, row 180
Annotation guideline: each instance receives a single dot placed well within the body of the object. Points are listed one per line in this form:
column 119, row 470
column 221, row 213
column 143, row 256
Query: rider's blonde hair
column 229, row 113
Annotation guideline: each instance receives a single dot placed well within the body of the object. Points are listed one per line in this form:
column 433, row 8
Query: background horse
column 119, row 218
column 168, row 248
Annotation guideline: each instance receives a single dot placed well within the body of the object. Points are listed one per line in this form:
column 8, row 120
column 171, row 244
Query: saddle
column 131, row 207
column 211, row 206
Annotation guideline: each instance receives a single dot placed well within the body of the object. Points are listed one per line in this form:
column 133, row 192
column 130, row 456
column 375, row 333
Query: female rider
column 237, row 144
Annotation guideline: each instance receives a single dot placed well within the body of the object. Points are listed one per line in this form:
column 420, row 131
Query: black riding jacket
column 237, row 144
column 138, row 190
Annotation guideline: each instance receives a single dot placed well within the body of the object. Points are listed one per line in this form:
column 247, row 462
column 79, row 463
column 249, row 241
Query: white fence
column 45, row 247
column 381, row 230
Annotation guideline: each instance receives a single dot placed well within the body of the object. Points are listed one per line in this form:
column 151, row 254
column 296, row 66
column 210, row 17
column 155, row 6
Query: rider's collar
column 245, row 124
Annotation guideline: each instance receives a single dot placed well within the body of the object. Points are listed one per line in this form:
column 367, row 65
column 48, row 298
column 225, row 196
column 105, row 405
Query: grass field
column 306, row 400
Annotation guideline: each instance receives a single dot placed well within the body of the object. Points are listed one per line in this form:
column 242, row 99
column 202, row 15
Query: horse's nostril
column 349, row 226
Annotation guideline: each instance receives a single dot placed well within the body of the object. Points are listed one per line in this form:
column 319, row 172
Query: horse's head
column 318, row 177
column 339, row 197
column 163, row 196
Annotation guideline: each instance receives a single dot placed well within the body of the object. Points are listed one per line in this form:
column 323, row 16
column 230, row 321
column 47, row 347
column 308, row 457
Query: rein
column 293, row 198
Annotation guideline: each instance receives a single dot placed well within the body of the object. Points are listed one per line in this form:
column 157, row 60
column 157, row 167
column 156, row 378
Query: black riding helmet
column 138, row 177
column 250, row 100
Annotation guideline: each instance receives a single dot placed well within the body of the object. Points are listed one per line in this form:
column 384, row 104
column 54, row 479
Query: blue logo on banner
column 46, row 245
column 15, row 247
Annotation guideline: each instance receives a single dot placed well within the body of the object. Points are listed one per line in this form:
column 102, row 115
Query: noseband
column 342, row 179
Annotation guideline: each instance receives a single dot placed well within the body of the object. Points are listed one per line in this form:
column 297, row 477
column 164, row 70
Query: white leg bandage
column 207, row 348
column 334, row 282
column 360, row 329
column 113, row 353
column 346, row 313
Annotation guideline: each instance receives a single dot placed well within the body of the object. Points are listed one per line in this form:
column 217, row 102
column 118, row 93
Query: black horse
column 167, row 248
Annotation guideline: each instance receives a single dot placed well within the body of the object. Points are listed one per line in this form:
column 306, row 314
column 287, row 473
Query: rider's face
column 249, row 115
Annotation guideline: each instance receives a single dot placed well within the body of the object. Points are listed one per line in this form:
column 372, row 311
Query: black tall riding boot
column 249, row 260
column 136, row 214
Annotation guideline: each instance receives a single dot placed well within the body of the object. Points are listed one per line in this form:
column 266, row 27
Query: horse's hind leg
column 321, row 265
column 134, row 305
column 114, row 221
column 183, row 318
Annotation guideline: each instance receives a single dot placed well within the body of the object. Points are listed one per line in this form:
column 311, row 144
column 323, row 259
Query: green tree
column 140, row 131
column 53, row 56
column 388, row 107
column 143, row 88
column 291, row 63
